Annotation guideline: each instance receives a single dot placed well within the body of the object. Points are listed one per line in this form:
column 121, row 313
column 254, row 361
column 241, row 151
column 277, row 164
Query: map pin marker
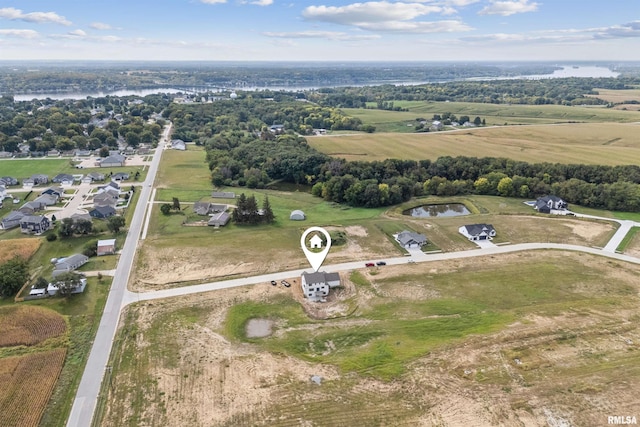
column 315, row 242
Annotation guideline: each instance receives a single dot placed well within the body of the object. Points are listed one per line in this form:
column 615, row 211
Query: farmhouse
column 206, row 208
column 218, row 220
column 53, row 288
column 34, row 224
column 70, row 263
column 114, row 160
column 106, row 247
column 411, row 240
column 315, row 286
column 548, row 203
column 297, row 215
column 478, row 231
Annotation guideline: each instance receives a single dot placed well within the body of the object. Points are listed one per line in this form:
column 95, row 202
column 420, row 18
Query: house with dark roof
column 46, row 200
column 96, row 176
column 63, row 178
column 119, row 176
column 8, row 181
column 36, row 179
column 34, row 224
column 478, row 231
column 105, row 199
column 11, row 220
column 411, row 240
column 80, row 216
column 548, row 203
column 55, row 191
column 102, row 212
column 114, row 160
column 206, row 208
column 316, row 286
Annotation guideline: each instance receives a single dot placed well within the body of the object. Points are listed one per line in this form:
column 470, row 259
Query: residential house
column 5, row 154
column 3, row 192
column 46, row 200
column 102, row 212
column 276, row 129
column 83, row 153
column 70, row 263
column 219, row 219
column 114, row 160
column 53, row 288
column 55, row 191
column 33, row 206
column 178, row 144
column 223, row 195
column 548, row 203
column 96, row 176
column 316, row 286
column 106, row 247
column 63, row 178
column 34, row 224
column 105, row 199
column 411, row 240
column 53, row 153
column 436, row 125
column 119, row 176
column 11, row 220
column 80, row 216
column 111, row 186
column 297, row 215
column 36, row 179
column 478, row 231
column 8, row 181
column 206, row 208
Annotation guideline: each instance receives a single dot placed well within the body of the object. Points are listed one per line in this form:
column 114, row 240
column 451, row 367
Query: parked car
column 381, row 263
column 369, row 264
column 286, row 284
column 410, row 261
column 273, row 282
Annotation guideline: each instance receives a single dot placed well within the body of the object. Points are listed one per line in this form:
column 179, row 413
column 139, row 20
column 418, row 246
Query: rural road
column 86, row 399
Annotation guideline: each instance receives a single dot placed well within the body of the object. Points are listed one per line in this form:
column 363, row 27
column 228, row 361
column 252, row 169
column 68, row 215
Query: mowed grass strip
column 605, row 144
column 24, row 168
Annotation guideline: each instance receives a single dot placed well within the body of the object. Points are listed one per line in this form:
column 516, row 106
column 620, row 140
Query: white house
column 315, row 286
column 70, row 263
column 478, row 231
column 53, row 288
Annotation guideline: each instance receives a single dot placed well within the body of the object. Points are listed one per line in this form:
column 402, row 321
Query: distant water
column 565, row 71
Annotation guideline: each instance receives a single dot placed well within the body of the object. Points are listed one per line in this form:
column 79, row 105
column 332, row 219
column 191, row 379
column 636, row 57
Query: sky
column 321, row 30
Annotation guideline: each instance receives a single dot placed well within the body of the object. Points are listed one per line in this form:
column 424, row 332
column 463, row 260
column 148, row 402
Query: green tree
column 66, row 228
column 505, row 187
column 477, row 121
column 67, row 282
column 176, row 204
column 115, row 223
column 165, row 208
column 13, row 274
column 267, row 216
column 104, row 152
column 83, row 226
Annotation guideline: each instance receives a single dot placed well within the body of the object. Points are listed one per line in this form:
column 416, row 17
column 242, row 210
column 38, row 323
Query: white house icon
column 316, row 242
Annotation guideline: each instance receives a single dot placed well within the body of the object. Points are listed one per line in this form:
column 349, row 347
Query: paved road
column 131, row 297
column 84, row 404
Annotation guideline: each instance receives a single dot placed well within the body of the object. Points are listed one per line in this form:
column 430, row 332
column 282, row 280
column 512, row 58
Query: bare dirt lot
column 570, row 354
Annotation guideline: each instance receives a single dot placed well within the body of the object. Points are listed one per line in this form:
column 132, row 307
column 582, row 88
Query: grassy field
column 488, row 329
column 617, row 96
column 494, row 114
column 608, row 144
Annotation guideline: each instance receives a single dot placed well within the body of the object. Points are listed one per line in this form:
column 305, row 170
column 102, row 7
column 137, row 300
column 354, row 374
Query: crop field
column 29, row 325
column 27, row 382
column 531, row 338
column 22, row 248
column 607, row 144
column 618, row 96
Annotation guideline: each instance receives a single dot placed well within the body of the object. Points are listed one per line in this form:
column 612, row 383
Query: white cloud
column 77, row 33
column 330, row 35
column 100, row 26
column 23, row 34
column 262, row 2
column 14, row 14
column 213, row 1
column 507, row 7
column 369, row 12
column 632, row 29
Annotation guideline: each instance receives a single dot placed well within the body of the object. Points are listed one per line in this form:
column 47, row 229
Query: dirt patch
column 356, row 230
column 259, row 328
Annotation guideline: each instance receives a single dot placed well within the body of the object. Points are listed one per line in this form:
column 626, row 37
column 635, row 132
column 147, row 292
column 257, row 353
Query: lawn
column 606, row 144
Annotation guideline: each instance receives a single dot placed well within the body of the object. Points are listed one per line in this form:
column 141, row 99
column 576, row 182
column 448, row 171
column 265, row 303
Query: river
column 565, row 71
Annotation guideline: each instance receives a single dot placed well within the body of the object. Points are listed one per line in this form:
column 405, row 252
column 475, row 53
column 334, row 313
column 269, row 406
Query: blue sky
column 321, row 30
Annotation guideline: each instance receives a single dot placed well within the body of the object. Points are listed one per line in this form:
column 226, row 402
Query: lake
column 444, row 210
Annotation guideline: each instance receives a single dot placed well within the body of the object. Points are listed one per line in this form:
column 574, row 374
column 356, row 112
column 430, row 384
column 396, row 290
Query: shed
column 297, row 215
column 106, row 247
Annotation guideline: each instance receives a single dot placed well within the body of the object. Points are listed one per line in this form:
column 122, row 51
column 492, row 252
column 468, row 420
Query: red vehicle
column 369, row 264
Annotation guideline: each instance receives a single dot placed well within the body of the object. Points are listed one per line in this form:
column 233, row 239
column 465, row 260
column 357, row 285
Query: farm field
column 617, row 96
column 494, row 114
column 24, row 248
column 588, row 143
column 531, row 338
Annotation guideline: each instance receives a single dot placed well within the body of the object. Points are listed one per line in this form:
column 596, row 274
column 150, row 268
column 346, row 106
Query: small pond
column 429, row 211
column 259, row 328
